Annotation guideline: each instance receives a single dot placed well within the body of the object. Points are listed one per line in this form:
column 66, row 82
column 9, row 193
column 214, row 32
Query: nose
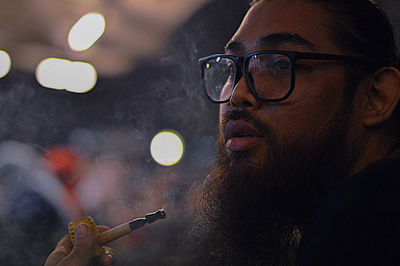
column 242, row 97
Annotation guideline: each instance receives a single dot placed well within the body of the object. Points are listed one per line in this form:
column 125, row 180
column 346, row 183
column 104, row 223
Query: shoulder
column 357, row 225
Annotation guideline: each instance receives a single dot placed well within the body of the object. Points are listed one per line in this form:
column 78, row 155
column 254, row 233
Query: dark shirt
column 359, row 224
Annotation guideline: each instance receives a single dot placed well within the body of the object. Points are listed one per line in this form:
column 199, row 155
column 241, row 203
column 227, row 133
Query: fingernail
column 81, row 230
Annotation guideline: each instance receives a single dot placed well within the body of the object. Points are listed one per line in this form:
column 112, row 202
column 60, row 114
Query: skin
column 317, row 95
column 80, row 254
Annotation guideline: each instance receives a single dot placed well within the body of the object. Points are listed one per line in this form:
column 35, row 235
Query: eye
column 272, row 63
column 278, row 62
column 281, row 64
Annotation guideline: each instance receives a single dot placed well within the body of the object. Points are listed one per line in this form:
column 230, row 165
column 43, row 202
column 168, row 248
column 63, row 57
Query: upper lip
column 240, row 128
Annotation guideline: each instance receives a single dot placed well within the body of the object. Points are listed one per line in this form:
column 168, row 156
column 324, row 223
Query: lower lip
column 242, row 143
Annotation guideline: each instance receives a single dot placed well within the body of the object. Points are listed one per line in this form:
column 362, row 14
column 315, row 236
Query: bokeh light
column 62, row 74
column 5, row 63
column 86, row 31
column 167, row 148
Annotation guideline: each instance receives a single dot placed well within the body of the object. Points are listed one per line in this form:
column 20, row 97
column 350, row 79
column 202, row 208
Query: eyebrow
column 273, row 39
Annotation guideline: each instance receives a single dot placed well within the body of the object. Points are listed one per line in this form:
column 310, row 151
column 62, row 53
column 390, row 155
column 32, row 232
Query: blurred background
column 85, row 89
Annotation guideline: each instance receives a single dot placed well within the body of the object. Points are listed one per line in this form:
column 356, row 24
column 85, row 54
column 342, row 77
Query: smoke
column 111, row 128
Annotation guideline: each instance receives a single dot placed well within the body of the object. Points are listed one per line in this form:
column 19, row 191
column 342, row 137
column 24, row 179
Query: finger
column 107, row 258
column 102, row 228
column 83, row 249
column 56, row 256
column 65, row 242
column 104, row 260
column 63, row 248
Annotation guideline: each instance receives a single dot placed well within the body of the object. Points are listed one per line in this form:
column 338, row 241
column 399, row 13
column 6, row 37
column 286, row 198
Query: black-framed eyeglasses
column 269, row 75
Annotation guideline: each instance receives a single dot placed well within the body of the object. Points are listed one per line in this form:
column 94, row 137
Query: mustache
column 247, row 116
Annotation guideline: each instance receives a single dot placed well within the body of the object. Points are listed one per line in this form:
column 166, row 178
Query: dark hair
column 361, row 28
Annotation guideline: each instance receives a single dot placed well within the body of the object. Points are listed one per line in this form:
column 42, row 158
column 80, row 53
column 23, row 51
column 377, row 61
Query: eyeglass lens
column 269, row 75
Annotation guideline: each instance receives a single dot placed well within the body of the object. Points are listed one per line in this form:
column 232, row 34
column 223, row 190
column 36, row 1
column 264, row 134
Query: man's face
column 318, row 94
column 276, row 161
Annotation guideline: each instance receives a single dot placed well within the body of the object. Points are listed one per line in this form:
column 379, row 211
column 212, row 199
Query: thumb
column 83, row 249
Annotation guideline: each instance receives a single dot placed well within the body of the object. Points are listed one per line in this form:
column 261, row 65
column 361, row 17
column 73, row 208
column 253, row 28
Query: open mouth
column 241, row 136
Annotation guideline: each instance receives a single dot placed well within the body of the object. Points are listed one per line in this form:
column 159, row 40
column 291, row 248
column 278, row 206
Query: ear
column 382, row 96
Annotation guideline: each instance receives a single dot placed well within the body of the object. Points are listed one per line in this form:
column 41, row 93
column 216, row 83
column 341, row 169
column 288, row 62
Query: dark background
column 162, row 92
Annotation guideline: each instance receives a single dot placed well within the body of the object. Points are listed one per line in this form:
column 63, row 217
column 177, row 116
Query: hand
column 80, row 254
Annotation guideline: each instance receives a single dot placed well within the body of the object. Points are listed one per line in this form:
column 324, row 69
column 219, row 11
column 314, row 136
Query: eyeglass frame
column 292, row 55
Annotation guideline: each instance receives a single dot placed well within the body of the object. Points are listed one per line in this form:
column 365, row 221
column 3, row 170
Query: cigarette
column 125, row 228
column 115, row 232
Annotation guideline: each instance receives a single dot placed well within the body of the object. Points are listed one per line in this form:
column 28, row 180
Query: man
column 306, row 172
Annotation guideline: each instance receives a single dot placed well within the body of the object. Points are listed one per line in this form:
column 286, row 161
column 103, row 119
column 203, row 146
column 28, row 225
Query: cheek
column 312, row 105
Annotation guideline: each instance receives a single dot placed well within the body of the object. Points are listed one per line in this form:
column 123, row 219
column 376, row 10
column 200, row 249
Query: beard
column 251, row 214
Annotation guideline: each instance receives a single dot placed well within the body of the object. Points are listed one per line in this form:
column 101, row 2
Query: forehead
column 297, row 18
